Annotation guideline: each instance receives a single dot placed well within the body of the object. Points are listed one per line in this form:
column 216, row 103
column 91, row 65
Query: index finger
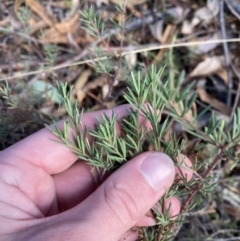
column 41, row 150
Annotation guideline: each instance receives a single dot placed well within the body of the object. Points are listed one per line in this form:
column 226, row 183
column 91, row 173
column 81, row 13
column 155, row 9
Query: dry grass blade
column 40, row 10
column 140, row 50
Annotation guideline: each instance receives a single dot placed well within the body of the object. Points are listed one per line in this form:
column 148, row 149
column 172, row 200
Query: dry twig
column 140, row 50
column 226, row 52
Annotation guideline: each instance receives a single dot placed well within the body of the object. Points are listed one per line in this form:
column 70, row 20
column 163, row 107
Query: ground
column 45, row 41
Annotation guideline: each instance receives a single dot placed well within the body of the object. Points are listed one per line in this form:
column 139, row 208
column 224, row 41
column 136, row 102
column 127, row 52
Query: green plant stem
column 103, row 40
column 236, row 139
column 139, row 133
column 198, row 187
column 205, row 137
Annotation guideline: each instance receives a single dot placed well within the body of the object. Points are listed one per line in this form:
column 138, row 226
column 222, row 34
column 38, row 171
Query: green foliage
column 106, row 61
column 155, row 94
column 152, row 97
column 149, row 97
column 51, row 52
column 93, row 24
column 24, row 13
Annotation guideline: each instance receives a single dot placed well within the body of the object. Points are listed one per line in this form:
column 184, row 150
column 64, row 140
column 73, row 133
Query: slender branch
column 205, row 137
column 139, row 50
column 184, row 119
column 236, row 139
column 238, row 92
column 122, row 26
column 226, row 52
column 198, row 187
column 29, row 38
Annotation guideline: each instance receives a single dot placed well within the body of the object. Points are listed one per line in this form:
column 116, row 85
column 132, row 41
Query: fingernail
column 158, row 169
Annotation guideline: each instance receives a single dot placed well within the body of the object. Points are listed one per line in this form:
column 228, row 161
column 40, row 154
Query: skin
column 46, row 195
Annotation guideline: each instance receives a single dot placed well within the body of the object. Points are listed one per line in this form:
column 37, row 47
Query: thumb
column 126, row 196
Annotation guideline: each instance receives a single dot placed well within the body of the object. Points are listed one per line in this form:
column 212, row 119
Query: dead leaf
column 64, row 27
column 157, row 30
column 207, row 13
column 32, row 21
column 167, row 36
column 213, row 6
column 208, row 66
column 234, row 7
column 205, row 48
column 105, row 91
column 186, row 28
column 231, row 197
column 178, row 13
column 231, row 210
column 131, row 60
column 81, row 81
column 222, row 73
column 36, row 26
column 5, row 21
column 98, row 82
column 56, row 37
column 218, row 105
column 40, row 10
column 17, row 4
column 179, row 106
column 69, row 26
column 72, row 26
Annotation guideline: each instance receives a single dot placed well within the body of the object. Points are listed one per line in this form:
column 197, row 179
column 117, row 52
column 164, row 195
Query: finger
column 69, row 193
column 174, row 205
column 73, row 186
column 184, row 170
column 131, row 235
column 120, row 201
column 149, row 219
column 41, row 150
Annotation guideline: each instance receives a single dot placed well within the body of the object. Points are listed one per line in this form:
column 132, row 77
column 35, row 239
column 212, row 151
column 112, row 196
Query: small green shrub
column 108, row 152
column 161, row 100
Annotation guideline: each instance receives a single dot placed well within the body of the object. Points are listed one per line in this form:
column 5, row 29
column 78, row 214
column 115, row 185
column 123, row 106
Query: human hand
column 46, row 195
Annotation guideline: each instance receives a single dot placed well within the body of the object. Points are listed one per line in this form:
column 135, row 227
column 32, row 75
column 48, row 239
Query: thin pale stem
column 139, row 50
column 198, row 187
